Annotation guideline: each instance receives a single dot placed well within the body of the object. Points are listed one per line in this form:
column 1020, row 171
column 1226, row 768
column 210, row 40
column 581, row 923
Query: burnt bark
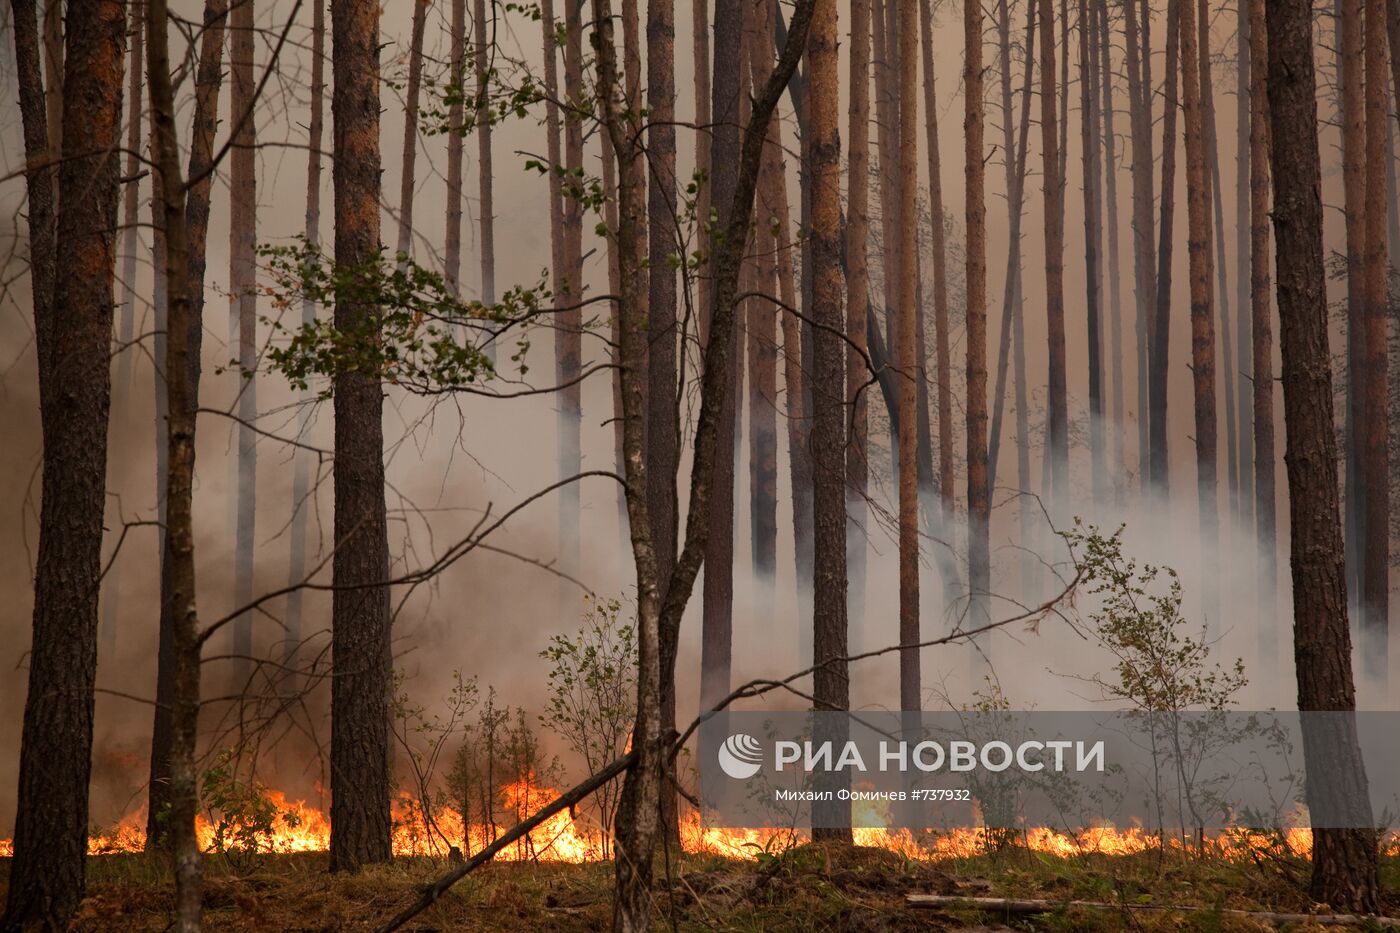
column 1158, row 464
column 1057, row 401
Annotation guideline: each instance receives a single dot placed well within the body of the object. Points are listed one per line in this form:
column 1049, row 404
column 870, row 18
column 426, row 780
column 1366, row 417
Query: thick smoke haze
column 451, row 459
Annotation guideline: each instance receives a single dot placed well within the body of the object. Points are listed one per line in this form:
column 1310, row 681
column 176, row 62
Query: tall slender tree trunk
column 1261, row 336
column 408, row 175
column 717, row 617
column 456, row 66
column 1093, row 238
column 1202, row 318
column 1375, row 431
column 1350, row 52
column 1344, row 861
column 569, row 291
column 73, row 334
column 663, row 431
column 762, row 324
column 186, row 226
column 1118, row 421
column 485, row 171
column 831, row 685
column 942, row 361
column 1225, row 330
column 243, row 317
column 208, row 83
column 131, row 205
column 1159, row 465
column 1015, row 164
column 1144, row 272
column 905, row 290
column 857, row 311
column 1244, row 262
column 301, row 478
column 1057, row 402
column 978, row 493
column 360, row 645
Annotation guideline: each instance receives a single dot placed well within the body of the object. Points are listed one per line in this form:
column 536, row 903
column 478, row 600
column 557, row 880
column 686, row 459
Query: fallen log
column 1015, row 905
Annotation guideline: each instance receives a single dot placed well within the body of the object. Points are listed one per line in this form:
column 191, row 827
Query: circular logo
column 740, row 756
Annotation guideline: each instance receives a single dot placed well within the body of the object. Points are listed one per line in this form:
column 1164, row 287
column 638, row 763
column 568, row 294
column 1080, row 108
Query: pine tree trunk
column 1353, row 119
column 456, row 68
column 1202, row 318
column 942, row 360
column 301, row 479
column 717, row 620
column 360, row 646
column 73, row 333
column 663, row 432
column 408, row 177
column 1144, row 271
column 1159, row 463
column 762, row 323
column 1119, row 420
column 978, row 493
column 1344, row 860
column 1261, row 337
column 1374, row 434
column 1057, row 401
column 185, row 226
column 243, row 318
column 485, row 172
column 208, row 83
column 131, row 207
column 831, row 686
column 568, row 293
column 1244, row 264
column 1093, row 237
column 857, row 312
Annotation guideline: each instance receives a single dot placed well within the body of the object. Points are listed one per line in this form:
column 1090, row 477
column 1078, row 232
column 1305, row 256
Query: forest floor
column 806, row 888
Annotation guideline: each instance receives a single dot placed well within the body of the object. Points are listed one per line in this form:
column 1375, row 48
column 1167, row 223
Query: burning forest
column 753, row 464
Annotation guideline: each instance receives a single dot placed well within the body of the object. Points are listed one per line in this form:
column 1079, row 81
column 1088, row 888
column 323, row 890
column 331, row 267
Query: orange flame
column 564, row 837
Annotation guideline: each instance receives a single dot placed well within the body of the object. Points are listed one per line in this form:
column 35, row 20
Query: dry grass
column 806, row 888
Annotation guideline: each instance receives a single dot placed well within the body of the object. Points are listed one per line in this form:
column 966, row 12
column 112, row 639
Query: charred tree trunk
column 1353, row 118
column 906, row 344
column 1159, row 463
column 243, row 318
column 360, row 645
column 1202, row 318
column 1344, row 861
column 131, row 207
column 73, row 333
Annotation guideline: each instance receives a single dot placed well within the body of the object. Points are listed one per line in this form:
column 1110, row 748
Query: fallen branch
column 563, row 802
column 1012, row 905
